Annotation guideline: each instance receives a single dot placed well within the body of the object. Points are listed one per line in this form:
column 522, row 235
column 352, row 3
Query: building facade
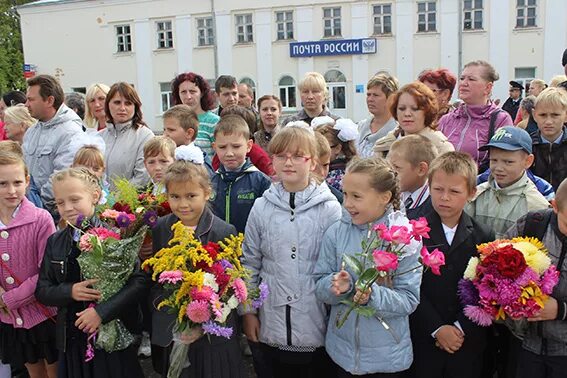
column 270, row 45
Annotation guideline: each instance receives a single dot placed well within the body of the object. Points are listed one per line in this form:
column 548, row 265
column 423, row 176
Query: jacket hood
column 230, row 176
column 311, row 196
column 476, row 111
column 64, row 114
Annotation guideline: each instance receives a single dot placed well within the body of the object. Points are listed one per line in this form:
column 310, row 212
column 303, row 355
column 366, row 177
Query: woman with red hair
column 441, row 82
column 414, row 106
column 193, row 90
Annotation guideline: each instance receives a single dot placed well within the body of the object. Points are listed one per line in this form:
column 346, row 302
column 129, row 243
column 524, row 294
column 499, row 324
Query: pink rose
column 434, row 260
column 400, row 235
column 85, row 244
column 420, row 229
column 385, row 261
column 383, row 232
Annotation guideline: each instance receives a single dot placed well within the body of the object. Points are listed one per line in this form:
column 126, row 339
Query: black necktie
column 408, row 202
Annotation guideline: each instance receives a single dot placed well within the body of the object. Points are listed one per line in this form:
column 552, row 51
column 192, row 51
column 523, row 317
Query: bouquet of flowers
column 205, row 283
column 511, row 279
column 385, row 247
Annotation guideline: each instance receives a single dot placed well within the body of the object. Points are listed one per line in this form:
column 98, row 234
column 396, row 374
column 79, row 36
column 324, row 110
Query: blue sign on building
column 333, row 47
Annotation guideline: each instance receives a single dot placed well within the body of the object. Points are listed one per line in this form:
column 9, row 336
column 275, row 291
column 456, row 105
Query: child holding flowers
column 445, row 342
column 27, row 330
column 282, row 241
column 374, row 346
column 188, row 189
column 77, row 191
column 544, row 348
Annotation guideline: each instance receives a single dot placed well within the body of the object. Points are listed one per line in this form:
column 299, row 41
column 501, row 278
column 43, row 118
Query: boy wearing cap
column 512, row 104
column 509, row 193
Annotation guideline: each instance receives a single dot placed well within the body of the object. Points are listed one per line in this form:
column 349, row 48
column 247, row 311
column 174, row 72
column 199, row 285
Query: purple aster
column 225, row 264
column 123, row 220
column 468, row 292
column 151, row 218
column 478, row 315
column 79, row 221
column 213, row 328
column 263, row 294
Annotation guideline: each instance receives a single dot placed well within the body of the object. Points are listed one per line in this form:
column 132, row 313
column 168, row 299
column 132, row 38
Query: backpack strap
column 493, row 117
column 537, row 222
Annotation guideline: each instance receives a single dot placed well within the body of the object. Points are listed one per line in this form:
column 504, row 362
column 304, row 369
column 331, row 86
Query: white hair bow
column 190, row 153
column 300, row 125
column 348, row 130
column 321, row 121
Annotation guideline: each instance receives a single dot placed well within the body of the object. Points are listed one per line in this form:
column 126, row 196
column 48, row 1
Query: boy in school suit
column 446, row 343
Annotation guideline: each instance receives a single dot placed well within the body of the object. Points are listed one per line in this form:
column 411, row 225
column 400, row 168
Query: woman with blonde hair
column 95, row 115
column 314, row 94
column 17, row 120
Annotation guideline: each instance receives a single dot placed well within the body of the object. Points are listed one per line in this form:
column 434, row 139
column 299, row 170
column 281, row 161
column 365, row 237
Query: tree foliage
column 11, row 55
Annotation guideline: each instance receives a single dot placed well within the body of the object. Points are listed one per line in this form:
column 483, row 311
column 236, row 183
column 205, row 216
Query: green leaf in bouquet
column 353, row 263
column 365, row 311
column 364, row 245
column 367, row 278
column 347, row 302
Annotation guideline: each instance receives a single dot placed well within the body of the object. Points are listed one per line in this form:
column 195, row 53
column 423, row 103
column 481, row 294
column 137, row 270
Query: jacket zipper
column 288, row 323
column 464, row 132
column 550, row 167
column 227, row 203
column 111, row 149
column 356, row 344
column 64, row 272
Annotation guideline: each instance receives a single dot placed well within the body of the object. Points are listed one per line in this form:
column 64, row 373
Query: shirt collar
column 418, row 196
column 556, row 141
column 2, row 225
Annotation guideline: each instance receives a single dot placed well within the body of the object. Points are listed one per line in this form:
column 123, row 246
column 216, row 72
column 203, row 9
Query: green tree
column 11, row 55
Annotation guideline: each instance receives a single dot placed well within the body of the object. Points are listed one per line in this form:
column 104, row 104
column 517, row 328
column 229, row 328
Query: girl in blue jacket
column 380, row 345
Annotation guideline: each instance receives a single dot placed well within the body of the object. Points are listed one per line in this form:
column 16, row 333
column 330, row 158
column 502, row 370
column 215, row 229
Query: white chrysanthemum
column 225, row 311
column 470, row 272
column 190, row 153
column 209, row 280
column 232, row 302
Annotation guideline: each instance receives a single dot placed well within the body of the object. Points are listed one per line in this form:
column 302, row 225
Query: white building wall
column 75, row 40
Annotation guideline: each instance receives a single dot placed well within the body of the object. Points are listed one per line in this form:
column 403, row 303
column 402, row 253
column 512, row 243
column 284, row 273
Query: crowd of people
column 305, row 190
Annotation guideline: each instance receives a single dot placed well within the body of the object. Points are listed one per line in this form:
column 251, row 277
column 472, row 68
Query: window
column 205, row 31
column 382, row 18
column 82, row 90
column 164, row 35
column 287, row 92
column 244, row 28
column 472, row 17
column 525, row 13
column 123, row 38
column 284, row 25
column 524, row 75
column 332, row 22
column 426, row 16
column 166, row 96
column 336, row 83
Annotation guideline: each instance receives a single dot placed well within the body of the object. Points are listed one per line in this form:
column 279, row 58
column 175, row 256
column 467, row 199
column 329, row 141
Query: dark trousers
column 341, row 373
column 270, row 362
column 531, row 365
column 431, row 362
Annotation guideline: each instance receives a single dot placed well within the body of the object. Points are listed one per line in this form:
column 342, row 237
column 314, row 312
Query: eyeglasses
column 295, row 159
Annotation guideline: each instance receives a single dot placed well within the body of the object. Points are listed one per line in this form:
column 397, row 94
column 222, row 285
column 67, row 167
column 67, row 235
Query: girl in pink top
column 27, row 328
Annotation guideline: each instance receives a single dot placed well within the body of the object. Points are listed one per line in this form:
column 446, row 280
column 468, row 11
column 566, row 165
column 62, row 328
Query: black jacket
column 210, row 228
column 52, row 290
column 512, row 107
column 439, row 303
column 422, row 210
column 550, row 161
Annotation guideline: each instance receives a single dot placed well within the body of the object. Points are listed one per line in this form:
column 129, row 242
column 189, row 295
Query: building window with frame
column 526, row 13
column 287, row 92
column 165, row 96
column 284, row 25
column 472, row 15
column 382, row 14
column 524, row 75
column 164, row 35
column 426, row 16
column 205, row 31
column 244, row 31
column 332, row 22
column 123, row 38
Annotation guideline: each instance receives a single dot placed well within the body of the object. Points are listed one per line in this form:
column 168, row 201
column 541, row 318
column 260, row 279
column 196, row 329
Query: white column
column 406, row 25
column 144, row 41
column 450, row 34
column 499, row 50
column 360, row 75
column 183, row 43
column 304, row 16
column 224, row 34
column 555, row 40
column 263, row 33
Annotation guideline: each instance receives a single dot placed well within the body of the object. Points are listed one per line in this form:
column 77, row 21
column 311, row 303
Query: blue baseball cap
column 510, row 138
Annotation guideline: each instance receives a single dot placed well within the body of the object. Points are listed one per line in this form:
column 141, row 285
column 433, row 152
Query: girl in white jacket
column 283, row 237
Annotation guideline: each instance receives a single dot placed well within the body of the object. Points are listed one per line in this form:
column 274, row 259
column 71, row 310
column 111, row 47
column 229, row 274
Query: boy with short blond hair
column 237, row 183
column 159, row 154
column 509, row 193
column 446, row 343
column 180, row 123
column 550, row 141
column 411, row 157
